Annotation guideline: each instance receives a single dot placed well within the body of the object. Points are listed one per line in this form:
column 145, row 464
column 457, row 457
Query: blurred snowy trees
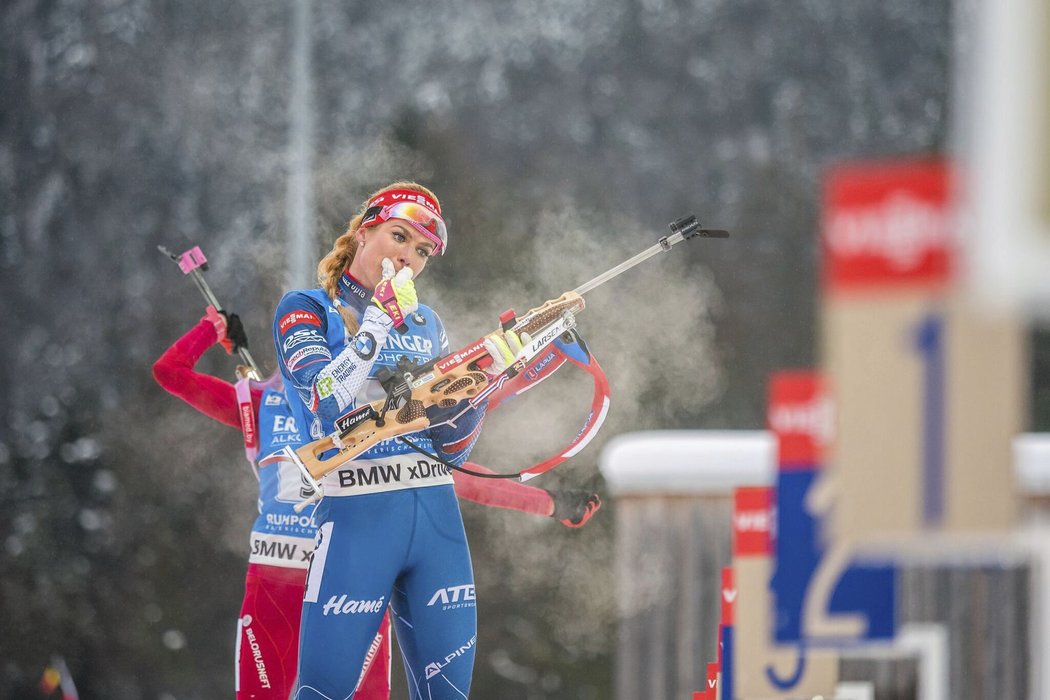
column 562, row 137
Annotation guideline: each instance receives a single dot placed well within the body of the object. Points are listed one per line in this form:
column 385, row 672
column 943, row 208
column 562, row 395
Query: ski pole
column 191, row 263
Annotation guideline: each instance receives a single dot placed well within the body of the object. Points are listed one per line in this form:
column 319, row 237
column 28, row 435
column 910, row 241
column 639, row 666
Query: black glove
column 574, row 507
column 235, row 335
column 229, row 329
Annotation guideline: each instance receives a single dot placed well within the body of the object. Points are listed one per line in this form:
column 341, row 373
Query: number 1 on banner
column 929, row 341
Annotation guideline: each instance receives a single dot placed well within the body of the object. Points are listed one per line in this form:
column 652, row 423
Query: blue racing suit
column 389, row 528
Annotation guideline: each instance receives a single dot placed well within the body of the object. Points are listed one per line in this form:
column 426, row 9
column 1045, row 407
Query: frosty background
column 561, row 135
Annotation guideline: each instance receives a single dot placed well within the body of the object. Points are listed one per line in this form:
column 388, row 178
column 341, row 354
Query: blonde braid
column 331, row 267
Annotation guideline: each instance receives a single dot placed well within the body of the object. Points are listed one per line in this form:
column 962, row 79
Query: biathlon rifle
column 445, row 382
column 192, row 263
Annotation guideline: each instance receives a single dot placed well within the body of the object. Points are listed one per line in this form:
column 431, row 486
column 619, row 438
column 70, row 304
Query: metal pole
column 300, row 196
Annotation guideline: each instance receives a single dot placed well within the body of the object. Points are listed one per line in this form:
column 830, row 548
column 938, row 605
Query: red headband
column 387, row 203
column 388, row 197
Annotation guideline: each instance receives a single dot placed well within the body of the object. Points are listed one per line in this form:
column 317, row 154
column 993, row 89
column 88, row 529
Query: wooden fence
column 672, row 494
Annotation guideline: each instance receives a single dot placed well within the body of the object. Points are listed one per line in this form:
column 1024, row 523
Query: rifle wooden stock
column 443, row 383
column 353, row 445
column 548, row 312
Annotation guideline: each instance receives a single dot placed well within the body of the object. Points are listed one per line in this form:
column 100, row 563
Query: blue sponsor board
column 865, row 589
column 726, row 642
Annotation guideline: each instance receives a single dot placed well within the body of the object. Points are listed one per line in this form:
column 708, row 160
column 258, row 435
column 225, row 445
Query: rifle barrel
column 664, row 244
column 205, row 290
column 253, row 369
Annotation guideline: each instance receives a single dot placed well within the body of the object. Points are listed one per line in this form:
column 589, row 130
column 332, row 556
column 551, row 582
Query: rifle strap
column 600, row 401
column 542, row 367
column 249, row 423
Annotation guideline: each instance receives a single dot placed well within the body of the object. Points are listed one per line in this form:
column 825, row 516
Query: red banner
column 801, row 417
column 728, row 595
column 887, row 224
column 712, row 679
column 752, row 521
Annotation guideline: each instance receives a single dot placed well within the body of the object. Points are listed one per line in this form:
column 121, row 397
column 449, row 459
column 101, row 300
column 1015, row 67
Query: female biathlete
column 281, row 539
column 390, row 531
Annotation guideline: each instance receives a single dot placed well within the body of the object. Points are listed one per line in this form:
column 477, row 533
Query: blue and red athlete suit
column 390, row 531
column 281, row 539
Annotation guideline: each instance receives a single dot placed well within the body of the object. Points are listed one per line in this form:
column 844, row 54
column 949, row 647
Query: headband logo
column 418, row 197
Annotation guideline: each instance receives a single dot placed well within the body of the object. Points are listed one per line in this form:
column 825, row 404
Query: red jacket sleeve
column 502, row 493
column 214, row 397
